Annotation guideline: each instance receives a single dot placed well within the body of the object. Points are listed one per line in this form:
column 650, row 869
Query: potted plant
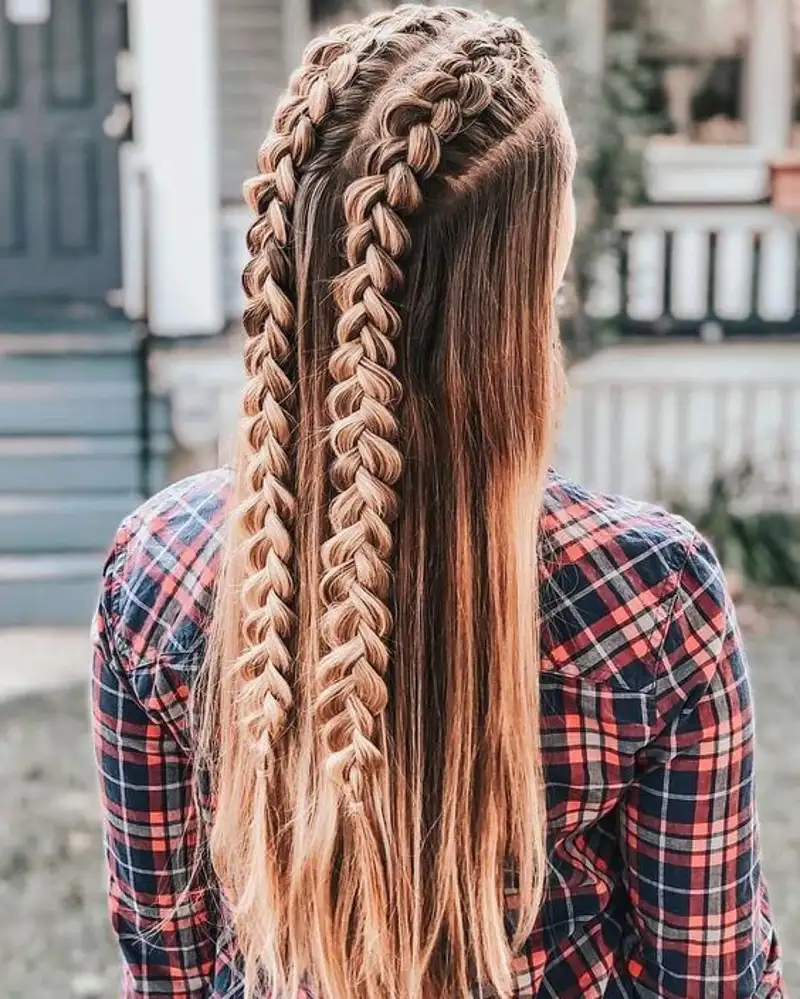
column 785, row 183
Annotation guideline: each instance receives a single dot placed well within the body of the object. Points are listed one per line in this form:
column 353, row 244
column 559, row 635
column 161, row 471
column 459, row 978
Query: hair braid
column 266, row 512
column 414, row 122
column 267, row 508
column 429, row 111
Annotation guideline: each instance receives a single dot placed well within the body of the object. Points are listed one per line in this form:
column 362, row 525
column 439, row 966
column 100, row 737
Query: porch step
column 58, row 368
column 71, row 425
column 49, row 590
column 78, row 464
column 22, row 342
column 39, row 524
column 46, row 408
column 66, row 355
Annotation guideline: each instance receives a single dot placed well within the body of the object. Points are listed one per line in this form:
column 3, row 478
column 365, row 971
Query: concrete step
column 58, row 314
column 40, row 408
column 77, row 367
column 49, row 590
column 66, row 523
column 95, row 354
column 21, row 341
column 79, row 464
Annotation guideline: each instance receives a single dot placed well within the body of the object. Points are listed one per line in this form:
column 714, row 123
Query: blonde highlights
column 369, row 718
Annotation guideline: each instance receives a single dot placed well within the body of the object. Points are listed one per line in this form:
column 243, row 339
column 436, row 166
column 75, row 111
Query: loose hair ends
column 368, row 715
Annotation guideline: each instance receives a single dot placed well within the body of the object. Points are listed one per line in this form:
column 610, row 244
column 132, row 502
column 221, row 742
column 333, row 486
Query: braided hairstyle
column 343, row 616
column 364, row 432
column 254, row 637
column 264, row 516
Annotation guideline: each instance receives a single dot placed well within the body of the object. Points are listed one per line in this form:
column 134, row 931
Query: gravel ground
column 54, row 942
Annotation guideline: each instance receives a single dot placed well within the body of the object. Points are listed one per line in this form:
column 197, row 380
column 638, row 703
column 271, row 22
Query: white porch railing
column 714, row 270
column 659, row 421
column 717, row 270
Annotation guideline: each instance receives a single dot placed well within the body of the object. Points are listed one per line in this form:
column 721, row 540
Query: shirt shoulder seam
column 121, row 646
column 690, row 545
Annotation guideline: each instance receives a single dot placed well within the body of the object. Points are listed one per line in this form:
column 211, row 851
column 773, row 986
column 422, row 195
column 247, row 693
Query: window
column 695, row 50
column 623, row 15
column 323, row 10
column 336, row 11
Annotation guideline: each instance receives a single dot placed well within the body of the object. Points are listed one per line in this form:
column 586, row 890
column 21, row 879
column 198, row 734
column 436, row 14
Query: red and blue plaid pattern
column 654, row 887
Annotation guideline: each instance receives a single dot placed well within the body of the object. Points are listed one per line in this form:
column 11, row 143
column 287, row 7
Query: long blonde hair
column 369, row 719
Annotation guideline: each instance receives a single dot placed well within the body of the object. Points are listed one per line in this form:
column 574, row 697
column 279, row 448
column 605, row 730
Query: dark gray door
column 59, row 178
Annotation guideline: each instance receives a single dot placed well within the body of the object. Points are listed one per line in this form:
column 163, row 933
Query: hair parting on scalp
column 368, row 720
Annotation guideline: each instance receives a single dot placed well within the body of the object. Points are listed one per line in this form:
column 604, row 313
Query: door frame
column 169, row 174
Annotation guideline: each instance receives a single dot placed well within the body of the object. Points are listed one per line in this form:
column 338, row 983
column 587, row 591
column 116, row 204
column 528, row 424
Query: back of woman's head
column 370, row 718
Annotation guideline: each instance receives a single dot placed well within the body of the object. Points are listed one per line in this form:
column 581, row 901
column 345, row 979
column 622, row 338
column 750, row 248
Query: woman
column 392, row 711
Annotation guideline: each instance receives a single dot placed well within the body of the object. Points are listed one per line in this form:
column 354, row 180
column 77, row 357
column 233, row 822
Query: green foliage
column 764, row 546
column 614, row 161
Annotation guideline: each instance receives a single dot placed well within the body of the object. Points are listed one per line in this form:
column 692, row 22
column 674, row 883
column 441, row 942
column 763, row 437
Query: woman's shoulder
column 598, row 521
column 623, row 583
column 162, row 570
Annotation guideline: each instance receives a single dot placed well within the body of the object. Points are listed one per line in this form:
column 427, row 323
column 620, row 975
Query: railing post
column 769, row 75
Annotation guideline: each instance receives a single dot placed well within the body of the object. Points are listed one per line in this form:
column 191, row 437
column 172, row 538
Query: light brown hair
column 370, row 719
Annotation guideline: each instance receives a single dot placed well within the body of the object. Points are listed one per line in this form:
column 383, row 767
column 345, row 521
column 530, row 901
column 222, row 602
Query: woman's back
column 450, row 723
column 647, row 739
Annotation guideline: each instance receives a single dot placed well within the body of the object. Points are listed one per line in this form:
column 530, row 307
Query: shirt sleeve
column 159, row 909
column 689, row 830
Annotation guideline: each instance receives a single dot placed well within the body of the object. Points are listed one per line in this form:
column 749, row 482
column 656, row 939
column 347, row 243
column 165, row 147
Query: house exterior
column 717, row 246
column 711, row 257
column 126, row 130
column 706, row 293
column 710, row 250
column 167, row 100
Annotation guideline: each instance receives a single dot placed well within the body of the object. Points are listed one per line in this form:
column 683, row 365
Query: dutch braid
column 266, row 512
column 265, row 515
column 431, row 109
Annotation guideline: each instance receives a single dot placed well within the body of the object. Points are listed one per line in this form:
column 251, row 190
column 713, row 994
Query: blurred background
column 126, row 130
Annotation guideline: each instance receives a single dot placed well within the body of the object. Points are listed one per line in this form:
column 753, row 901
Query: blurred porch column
column 588, row 19
column 769, row 75
column 296, row 21
column 176, row 134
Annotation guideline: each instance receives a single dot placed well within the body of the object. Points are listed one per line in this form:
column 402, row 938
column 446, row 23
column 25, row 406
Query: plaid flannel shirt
column 654, row 886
